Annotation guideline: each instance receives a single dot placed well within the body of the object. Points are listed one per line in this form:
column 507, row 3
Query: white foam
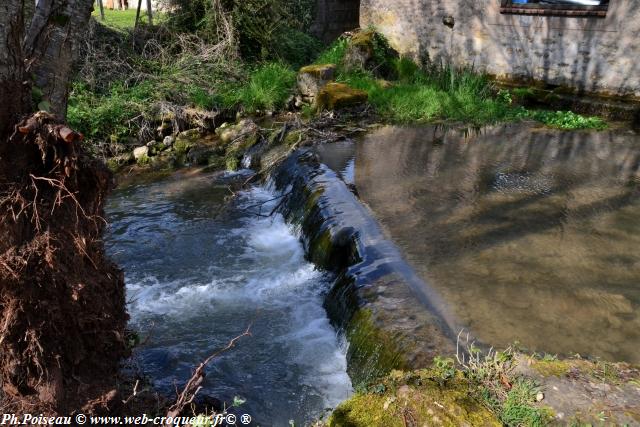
column 271, row 273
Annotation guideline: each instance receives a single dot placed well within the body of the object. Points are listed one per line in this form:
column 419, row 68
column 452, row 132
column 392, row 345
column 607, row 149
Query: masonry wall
column 588, row 54
column 334, row 17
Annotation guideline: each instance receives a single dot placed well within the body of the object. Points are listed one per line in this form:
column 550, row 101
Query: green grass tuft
column 335, row 53
column 268, row 88
column 441, row 92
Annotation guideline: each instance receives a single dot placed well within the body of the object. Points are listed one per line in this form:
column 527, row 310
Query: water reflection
column 528, row 234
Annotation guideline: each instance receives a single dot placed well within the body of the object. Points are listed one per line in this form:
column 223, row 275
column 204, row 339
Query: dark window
column 556, row 7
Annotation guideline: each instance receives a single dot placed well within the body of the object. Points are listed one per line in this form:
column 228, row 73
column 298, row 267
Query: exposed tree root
column 62, row 302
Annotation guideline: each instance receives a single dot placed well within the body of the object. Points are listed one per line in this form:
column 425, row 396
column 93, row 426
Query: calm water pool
column 528, row 234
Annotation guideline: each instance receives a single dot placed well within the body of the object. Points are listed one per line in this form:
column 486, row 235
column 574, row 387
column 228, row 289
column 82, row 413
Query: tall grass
column 268, row 88
column 437, row 91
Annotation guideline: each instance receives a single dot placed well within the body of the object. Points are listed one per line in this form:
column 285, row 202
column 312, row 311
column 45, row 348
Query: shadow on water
column 529, row 234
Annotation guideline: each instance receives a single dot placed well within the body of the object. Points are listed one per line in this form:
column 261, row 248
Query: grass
column 208, row 79
column 438, row 92
column 442, row 95
column 510, row 397
column 267, row 88
column 109, row 115
column 124, row 19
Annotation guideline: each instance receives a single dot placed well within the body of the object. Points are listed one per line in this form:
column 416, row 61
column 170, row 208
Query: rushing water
column 528, row 234
column 198, row 274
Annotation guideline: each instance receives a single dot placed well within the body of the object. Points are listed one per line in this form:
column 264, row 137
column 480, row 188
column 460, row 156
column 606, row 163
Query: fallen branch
column 194, row 385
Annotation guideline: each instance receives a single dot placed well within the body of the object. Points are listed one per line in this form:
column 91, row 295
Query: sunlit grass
column 123, row 19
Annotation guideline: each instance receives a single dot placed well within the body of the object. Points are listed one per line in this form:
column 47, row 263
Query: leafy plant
column 444, row 368
column 568, row 120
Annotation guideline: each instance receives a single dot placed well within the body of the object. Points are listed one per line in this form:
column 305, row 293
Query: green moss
column 549, row 368
column 319, row 70
column 373, row 352
column 339, row 95
column 237, row 149
column 293, row 137
column 182, row 146
column 232, row 163
column 113, row 165
column 143, row 160
column 364, row 38
column 413, row 399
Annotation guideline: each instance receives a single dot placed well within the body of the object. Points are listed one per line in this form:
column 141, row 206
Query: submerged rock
column 338, row 95
column 312, row 78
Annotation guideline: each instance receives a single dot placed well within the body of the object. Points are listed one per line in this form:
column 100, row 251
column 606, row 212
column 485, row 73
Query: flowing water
column 198, row 273
column 527, row 234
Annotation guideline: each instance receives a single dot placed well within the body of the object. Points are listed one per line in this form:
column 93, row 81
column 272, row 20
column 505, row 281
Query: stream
column 199, row 271
column 521, row 234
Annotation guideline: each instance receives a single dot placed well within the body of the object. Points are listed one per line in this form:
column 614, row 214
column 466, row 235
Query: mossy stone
column 312, row 78
column 414, row 399
column 185, row 141
column 322, row 71
column 338, row 95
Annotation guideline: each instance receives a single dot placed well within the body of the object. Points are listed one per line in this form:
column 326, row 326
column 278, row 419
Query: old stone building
column 593, row 49
column 587, row 45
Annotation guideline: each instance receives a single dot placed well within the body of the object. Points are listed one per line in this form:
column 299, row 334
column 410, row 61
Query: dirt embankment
column 62, row 302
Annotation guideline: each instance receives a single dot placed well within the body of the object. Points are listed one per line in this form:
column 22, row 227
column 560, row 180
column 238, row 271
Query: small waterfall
column 196, row 279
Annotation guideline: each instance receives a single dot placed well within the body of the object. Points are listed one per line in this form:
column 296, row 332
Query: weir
column 392, row 319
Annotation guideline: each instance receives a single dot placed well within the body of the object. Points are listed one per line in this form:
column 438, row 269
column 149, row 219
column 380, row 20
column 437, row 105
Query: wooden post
column 149, row 14
column 101, row 10
column 137, row 14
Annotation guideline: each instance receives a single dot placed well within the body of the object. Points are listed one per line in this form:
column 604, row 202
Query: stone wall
column 334, row 17
column 589, row 54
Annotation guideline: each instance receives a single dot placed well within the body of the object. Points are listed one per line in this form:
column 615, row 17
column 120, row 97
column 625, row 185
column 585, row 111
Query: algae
column 373, row 352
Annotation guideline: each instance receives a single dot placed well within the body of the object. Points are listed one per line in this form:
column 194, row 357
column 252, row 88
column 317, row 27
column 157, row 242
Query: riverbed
column 199, row 270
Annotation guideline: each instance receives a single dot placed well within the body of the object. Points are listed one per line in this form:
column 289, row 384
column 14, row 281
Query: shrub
column 266, row 29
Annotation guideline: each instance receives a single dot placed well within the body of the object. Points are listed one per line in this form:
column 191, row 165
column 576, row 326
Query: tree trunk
column 149, row 12
column 12, row 91
column 62, row 302
column 45, row 51
column 50, row 47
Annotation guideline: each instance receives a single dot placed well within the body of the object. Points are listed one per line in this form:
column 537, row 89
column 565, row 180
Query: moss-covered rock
column 185, row 141
column 236, row 149
column 338, row 95
column 312, row 78
column 360, row 50
column 414, row 399
column 116, row 162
